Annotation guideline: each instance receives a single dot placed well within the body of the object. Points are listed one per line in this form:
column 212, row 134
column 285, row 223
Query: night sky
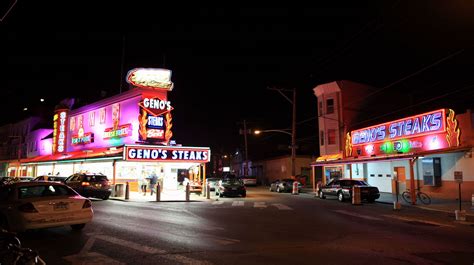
column 224, row 59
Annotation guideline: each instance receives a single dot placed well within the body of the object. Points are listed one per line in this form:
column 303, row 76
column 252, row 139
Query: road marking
column 217, row 202
column 281, row 206
column 358, row 215
column 223, row 240
column 259, row 205
column 409, row 219
column 151, row 250
column 238, row 203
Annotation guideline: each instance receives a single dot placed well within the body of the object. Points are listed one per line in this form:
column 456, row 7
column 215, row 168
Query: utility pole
column 293, row 125
column 246, row 152
column 293, row 136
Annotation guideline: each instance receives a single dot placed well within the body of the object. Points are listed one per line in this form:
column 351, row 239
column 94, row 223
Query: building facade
column 125, row 137
column 423, row 151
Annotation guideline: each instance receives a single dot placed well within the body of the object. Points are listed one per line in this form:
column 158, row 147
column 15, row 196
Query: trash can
column 119, row 190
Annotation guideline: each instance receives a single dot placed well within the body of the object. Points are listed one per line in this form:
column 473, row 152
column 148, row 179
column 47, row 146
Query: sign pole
column 459, row 196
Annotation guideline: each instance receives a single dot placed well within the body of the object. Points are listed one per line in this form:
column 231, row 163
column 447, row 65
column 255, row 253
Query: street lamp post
column 293, row 124
column 293, row 145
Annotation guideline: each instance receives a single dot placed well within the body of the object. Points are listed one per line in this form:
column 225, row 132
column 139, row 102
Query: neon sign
column 155, row 119
column 59, row 131
column 150, row 78
column 86, row 138
column 423, row 124
column 120, row 131
column 428, row 131
column 166, row 153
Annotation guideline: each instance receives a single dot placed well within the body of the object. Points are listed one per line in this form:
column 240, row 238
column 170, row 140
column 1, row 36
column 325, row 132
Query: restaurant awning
column 91, row 154
column 354, row 160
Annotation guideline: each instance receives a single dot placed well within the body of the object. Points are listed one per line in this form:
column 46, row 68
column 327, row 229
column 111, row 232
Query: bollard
column 158, row 192
column 204, row 189
column 472, row 201
column 208, row 191
column 127, row 191
column 187, row 192
column 356, row 195
column 295, row 188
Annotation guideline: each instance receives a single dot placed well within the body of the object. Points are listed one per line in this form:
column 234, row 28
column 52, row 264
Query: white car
column 249, row 180
column 34, row 205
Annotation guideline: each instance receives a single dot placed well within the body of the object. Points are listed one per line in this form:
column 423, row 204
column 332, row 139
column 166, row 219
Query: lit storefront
column 124, row 137
column 420, row 151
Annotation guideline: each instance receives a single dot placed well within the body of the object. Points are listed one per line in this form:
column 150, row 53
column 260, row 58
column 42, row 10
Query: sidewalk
column 442, row 205
column 166, row 196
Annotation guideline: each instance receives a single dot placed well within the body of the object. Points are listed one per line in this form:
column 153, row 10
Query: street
column 263, row 228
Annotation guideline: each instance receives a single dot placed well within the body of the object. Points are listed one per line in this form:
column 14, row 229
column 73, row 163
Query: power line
column 406, row 77
column 420, row 103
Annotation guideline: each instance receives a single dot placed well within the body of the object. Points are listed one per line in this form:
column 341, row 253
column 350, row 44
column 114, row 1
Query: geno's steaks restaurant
column 125, row 137
column 422, row 151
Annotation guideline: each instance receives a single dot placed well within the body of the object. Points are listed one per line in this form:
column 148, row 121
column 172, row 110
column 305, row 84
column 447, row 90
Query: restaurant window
column 330, row 106
column 321, row 138
column 331, row 136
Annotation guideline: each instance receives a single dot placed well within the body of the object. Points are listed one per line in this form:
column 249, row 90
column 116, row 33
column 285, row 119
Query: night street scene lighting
column 145, row 134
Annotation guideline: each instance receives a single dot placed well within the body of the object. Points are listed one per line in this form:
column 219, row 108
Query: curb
column 123, row 200
column 425, row 208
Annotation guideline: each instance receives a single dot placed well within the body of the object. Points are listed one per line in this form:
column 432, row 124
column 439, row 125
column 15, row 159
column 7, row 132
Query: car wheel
column 221, row 195
column 321, row 195
column 106, row 197
column 371, row 200
column 244, row 194
column 340, row 197
column 271, row 189
column 78, row 227
column 278, row 189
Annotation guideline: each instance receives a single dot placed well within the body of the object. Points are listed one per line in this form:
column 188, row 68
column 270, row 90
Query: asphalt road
column 264, row 228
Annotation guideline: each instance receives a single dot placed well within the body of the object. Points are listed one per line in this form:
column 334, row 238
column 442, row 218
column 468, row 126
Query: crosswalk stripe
column 259, row 205
column 281, row 206
column 217, row 202
column 238, row 203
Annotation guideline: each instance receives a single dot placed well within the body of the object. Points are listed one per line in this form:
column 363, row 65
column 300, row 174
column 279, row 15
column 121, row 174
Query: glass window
column 320, row 107
column 43, row 191
column 331, row 136
column 329, row 106
column 321, row 137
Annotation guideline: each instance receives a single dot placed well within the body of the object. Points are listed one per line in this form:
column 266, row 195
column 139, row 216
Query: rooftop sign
column 153, row 78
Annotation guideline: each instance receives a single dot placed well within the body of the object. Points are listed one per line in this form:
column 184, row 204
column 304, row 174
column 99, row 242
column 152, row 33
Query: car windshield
column 26, row 192
column 231, row 181
column 95, row 178
column 353, row 182
column 288, row 180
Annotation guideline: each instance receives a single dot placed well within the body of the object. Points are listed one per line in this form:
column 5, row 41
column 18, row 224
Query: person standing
column 153, row 180
column 143, row 182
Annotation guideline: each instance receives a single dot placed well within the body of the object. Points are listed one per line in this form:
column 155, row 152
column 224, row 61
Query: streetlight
column 293, row 145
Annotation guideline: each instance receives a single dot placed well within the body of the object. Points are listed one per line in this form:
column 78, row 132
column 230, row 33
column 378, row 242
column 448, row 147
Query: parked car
column 342, row 188
column 9, row 180
column 213, row 183
column 34, row 205
column 90, row 185
column 284, row 185
column 249, row 180
column 231, row 187
column 50, row 178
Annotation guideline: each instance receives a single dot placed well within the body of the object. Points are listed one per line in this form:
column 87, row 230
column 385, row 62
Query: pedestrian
column 153, row 179
column 143, row 182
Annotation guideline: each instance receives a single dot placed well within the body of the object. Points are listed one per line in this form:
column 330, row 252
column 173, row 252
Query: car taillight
column 87, row 204
column 27, row 208
column 85, row 183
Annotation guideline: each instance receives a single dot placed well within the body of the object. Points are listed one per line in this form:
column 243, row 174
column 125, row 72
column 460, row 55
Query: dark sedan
column 90, row 185
column 231, row 187
column 342, row 189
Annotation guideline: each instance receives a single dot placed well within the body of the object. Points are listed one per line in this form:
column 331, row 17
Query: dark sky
column 223, row 60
